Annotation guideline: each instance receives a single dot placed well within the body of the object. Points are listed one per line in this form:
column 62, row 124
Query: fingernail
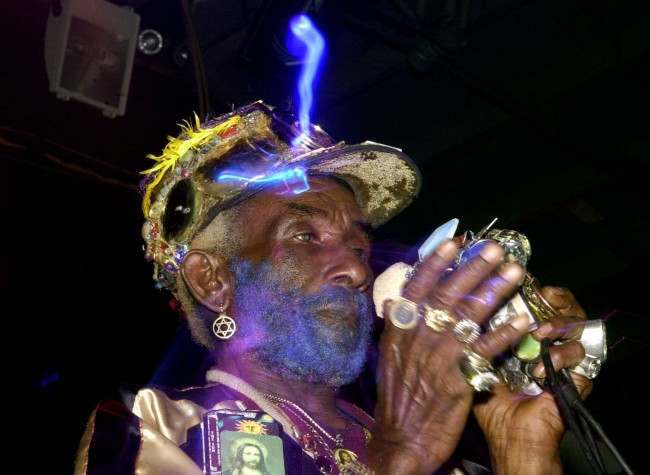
column 491, row 253
column 446, row 250
column 512, row 273
column 520, row 322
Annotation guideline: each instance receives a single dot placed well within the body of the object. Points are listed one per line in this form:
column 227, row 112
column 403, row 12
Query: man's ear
column 208, row 279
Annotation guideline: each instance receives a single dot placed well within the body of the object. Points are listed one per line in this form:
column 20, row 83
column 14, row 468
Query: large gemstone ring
column 403, row 313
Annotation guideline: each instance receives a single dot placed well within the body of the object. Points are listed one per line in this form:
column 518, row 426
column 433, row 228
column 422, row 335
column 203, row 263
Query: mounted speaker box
column 89, row 51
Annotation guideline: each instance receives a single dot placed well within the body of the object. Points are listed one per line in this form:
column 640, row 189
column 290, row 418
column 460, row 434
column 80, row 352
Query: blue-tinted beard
column 281, row 328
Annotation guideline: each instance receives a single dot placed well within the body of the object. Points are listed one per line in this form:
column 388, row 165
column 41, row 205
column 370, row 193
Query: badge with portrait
column 242, row 442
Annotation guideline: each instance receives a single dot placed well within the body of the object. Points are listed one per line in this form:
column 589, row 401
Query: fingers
column 428, row 275
column 564, row 328
column 499, row 340
column 583, row 385
column 563, row 301
column 463, row 280
column 567, row 355
column 430, row 271
column 490, row 294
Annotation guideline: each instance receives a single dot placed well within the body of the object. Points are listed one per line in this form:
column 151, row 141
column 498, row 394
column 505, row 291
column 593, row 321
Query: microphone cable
column 576, row 416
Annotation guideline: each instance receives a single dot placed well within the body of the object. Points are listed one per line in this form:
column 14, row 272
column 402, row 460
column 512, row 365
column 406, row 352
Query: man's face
column 251, row 456
column 316, row 238
column 302, row 283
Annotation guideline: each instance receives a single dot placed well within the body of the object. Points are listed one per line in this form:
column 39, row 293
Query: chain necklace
column 351, row 467
column 298, row 411
column 316, row 435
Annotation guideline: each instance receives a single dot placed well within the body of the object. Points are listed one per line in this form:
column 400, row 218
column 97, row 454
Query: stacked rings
column 404, row 314
column 478, row 371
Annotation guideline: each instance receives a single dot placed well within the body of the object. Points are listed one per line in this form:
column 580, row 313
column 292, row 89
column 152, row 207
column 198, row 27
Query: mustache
column 336, row 298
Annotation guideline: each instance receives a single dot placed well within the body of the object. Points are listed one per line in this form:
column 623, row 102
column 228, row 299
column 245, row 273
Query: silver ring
column 477, row 371
column 466, row 331
column 403, row 313
column 594, row 341
column 589, row 368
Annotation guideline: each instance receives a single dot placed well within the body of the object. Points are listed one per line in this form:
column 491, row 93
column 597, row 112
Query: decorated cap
column 212, row 166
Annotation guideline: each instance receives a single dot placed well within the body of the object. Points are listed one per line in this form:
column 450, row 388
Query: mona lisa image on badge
column 251, row 454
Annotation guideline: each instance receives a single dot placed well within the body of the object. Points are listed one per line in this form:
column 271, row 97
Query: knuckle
column 495, row 284
column 567, row 354
column 415, row 289
column 452, row 291
column 442, row 300
column 567, row 293
column 558, row 290
column 445, row 296
column 487, row 298
column 425, row 272
column 476, row 265
column 504, row 336
column 432, row 267
column 579, row 350
column 464, row 310
column 483, row 347
column 496, row 341
column 430, row 262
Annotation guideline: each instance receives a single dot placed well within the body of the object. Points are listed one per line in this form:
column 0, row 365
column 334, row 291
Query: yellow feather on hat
column 189, row 139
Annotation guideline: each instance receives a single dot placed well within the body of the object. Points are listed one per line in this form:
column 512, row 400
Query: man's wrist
column 385, row 457
column 524, row 457
column 397, row 455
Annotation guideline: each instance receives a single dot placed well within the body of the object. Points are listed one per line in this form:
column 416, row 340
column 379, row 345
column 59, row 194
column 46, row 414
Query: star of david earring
column 224, row 327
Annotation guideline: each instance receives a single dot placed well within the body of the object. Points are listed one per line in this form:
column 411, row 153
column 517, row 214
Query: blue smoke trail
column 304, row 30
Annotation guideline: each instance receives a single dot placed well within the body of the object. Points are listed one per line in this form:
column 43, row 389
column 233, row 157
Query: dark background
column 533, row 111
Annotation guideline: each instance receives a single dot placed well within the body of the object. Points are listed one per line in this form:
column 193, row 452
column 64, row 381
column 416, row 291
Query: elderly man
column 261, row 233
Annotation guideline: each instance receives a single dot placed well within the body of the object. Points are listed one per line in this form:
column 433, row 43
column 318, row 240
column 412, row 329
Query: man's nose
column 345, row 268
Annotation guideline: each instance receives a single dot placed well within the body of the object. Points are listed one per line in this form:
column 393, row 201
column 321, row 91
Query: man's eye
column 305, row 237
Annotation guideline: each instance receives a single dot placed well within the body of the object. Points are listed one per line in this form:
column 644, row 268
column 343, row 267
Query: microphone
column 390, row 283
